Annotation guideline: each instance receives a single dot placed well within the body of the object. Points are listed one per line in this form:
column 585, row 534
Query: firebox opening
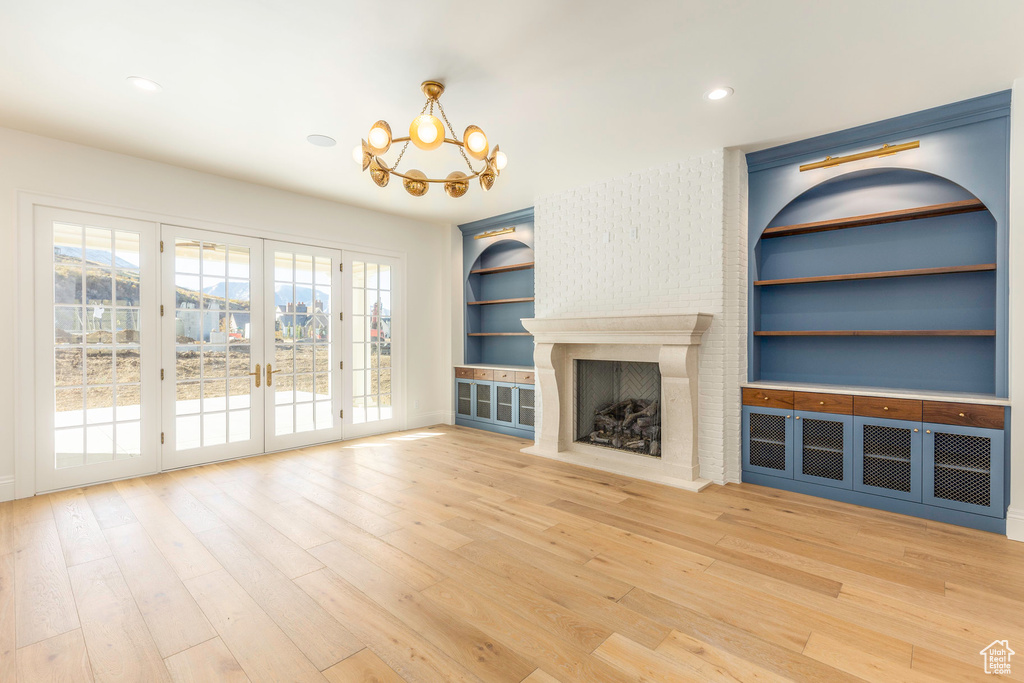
column 618, row 405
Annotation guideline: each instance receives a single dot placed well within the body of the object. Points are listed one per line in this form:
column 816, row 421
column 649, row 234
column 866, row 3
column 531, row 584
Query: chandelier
column 428, row 133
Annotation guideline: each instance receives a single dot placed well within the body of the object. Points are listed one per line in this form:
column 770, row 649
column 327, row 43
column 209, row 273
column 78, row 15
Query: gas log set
column 632, row 424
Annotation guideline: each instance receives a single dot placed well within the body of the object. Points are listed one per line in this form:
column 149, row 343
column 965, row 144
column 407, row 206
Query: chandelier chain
column 394, row 166
column 461, row 150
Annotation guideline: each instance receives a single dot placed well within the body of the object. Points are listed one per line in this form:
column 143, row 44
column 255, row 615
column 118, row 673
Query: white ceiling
column 574, row 92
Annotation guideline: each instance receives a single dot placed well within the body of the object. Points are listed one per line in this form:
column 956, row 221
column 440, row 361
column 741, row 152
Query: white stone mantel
column 672, row 341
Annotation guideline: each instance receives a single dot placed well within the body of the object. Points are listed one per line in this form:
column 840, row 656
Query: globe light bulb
column 427, row 131
column 477, row 141
column 379, row 137
column 500, row 160
column 357, row 154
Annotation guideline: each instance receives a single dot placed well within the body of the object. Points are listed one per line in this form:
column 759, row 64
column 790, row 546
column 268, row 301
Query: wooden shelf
column 502, row 269
column 875, row 333
column 947, row 209
column 912, row 272
column 499, row 334
column 517, row 300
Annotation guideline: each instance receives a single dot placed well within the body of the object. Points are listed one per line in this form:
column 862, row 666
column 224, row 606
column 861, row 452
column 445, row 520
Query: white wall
column 52, row 167
column 666, row 240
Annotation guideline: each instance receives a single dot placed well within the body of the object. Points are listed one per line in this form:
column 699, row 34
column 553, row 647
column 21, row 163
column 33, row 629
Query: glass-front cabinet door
column 97, row 380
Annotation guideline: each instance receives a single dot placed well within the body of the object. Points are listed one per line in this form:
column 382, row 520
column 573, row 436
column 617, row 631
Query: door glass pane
column 302, row 331
column 213, row 333
column 371, row 342
column 97, row 345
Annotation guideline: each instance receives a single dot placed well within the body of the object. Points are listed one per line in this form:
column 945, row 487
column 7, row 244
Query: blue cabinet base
column 492, row 427
column 904, row 507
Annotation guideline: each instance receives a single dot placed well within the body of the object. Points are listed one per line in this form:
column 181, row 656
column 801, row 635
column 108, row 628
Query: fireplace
column 618, row 405
column 621, row 374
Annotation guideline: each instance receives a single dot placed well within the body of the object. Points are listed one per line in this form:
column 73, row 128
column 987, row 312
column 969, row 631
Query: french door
column 249, row 328
column 160, row 346
column 97, row 374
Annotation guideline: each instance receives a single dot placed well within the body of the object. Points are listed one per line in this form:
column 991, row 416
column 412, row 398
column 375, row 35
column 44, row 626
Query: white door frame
column 49, row 477
column 25, row 484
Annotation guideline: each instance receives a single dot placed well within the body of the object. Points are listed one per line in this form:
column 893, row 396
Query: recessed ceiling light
column 718, row 93
column 145, row 84
column 320, row 140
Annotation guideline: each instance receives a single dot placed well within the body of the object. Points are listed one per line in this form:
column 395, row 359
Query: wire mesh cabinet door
column 963, row 468
column 887, row 457
column 823, row 449
column 505, row 403
column 483, row 401
column 525, row 408
column 768, row 441
column 464, row 398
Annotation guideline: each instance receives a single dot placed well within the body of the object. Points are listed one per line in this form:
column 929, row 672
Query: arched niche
column 939, row 302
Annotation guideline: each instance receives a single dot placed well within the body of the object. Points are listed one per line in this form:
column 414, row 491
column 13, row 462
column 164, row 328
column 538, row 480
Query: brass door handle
column 257, row 374
column 270, row 375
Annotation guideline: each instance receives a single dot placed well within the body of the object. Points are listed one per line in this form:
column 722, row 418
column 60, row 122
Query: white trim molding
column 671, row 341
column 1015, row 524
column 6, row 488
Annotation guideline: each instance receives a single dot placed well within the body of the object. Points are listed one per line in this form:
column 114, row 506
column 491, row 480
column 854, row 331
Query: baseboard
column 6, row 488
column 1015, row 524
column 439, row 417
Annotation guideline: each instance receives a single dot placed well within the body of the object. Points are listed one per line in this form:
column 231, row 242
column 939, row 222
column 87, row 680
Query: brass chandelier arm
column 460, row 143
column 476, row 174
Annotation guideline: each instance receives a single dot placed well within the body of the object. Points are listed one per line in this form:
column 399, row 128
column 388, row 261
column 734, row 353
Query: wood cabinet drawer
column 524, row 378
column 892, row 408
column 964, row 414
column 504, row 376
column 481, row 374
column 767, row 398
column 840, row 404
column 464, row 373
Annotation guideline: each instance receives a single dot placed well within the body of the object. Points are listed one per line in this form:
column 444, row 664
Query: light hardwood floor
column 444, row 554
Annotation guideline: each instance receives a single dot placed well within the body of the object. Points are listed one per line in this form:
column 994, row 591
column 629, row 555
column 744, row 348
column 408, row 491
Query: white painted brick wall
column 670, row 239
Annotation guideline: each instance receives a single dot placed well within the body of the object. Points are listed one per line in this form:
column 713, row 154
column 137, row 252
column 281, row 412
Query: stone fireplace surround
column 672, row 341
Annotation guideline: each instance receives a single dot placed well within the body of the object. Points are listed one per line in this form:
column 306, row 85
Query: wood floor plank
column 108, row 507
column 61, row 658
column 185, row 506
column 8, row 637
column 282, row 552
column 627, row 656
column 7, row 542
column 461, row 641
column 80, row 533
column 172, row 616
column 713, row 663
column 119, row 643
column 362, row 667
column 176, row 543
column 261, row 648
column 317, row 634
column 401, row 647
column 293, row 527
column 855, row 661
column 44, row 605
column 205, row 662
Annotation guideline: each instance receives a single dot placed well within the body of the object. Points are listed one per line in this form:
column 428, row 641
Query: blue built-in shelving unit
column 498, row 275
column 878, row 307
column 939, row 322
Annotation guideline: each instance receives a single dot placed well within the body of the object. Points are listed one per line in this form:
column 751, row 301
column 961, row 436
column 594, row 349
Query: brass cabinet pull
column 915, row 429
column 270, row 375
column 885, row 407
column 257, row 374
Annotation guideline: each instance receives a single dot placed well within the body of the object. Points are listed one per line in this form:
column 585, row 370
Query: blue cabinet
column 963, row 468
column 768, row 441
column 504, row 407
column 887, row 460
column 823, row 449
